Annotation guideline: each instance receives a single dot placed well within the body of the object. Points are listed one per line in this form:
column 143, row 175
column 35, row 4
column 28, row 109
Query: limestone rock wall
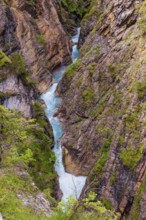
column 103, row 109
column 35, row 32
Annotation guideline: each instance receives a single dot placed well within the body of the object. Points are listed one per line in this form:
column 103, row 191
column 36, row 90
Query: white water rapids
column 69, row 184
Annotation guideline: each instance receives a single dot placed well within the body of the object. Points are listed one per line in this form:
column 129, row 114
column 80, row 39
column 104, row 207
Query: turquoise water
column 69, row 184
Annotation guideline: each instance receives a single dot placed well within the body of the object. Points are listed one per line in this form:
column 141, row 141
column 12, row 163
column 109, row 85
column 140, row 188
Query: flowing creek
column 69, row 184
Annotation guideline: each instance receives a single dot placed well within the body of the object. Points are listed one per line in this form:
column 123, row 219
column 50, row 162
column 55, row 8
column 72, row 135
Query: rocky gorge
column 105, row 121
column 103, row 110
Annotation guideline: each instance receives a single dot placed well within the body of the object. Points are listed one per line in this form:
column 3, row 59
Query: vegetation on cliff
column 105, row 122
column 71, row 12
column 24, row 147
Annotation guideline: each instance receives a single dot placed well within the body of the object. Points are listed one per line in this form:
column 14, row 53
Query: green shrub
column 4, row 60
column 41, row 119
column 18, row 64
column 131, row 157
column 18, row 67
column 107, row 204
column 88, row 208
column 28, row 146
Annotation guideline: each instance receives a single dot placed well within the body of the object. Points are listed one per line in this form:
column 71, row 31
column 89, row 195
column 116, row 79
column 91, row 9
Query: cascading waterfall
column 69, row 184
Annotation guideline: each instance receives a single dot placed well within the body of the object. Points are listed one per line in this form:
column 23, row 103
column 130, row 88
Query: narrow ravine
column 69, row 184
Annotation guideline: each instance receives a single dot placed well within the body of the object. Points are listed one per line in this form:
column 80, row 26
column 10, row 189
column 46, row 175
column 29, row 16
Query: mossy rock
column 130, row 157
column 4, row 60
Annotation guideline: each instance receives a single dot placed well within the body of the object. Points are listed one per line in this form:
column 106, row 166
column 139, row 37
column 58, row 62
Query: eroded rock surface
column 103, row 110
column 35, row 32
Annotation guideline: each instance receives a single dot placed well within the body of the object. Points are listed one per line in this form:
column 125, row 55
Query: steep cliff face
column 32, row 29
column 103, row 109
column 32, row 43
column 71, row 12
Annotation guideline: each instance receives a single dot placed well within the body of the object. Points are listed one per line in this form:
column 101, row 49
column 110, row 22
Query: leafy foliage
column 4, row 60
column 24, row 143
column 18, row 66
column 39, row 115
column 89, row 208
column 131, row 157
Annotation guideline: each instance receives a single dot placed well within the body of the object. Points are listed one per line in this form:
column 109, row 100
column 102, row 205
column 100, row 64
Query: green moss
column 18, row 67
column 69, row 73
column 115, row 69
column 135, row 213
column 132, row 120
column 121, row 139
column 92, row 68
column 18, row 64
column 39, row 115
column 107, row 204
column 117, row 98
column 88, row 96
column 99, row 110
column 141, row 89
column 4, row 60
column 94, row 51
column 104, row 131
column 40, row 39
column 142, row 20
column 79, row 82
column 130, row 157
column 99, row 166
column 113, row 178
